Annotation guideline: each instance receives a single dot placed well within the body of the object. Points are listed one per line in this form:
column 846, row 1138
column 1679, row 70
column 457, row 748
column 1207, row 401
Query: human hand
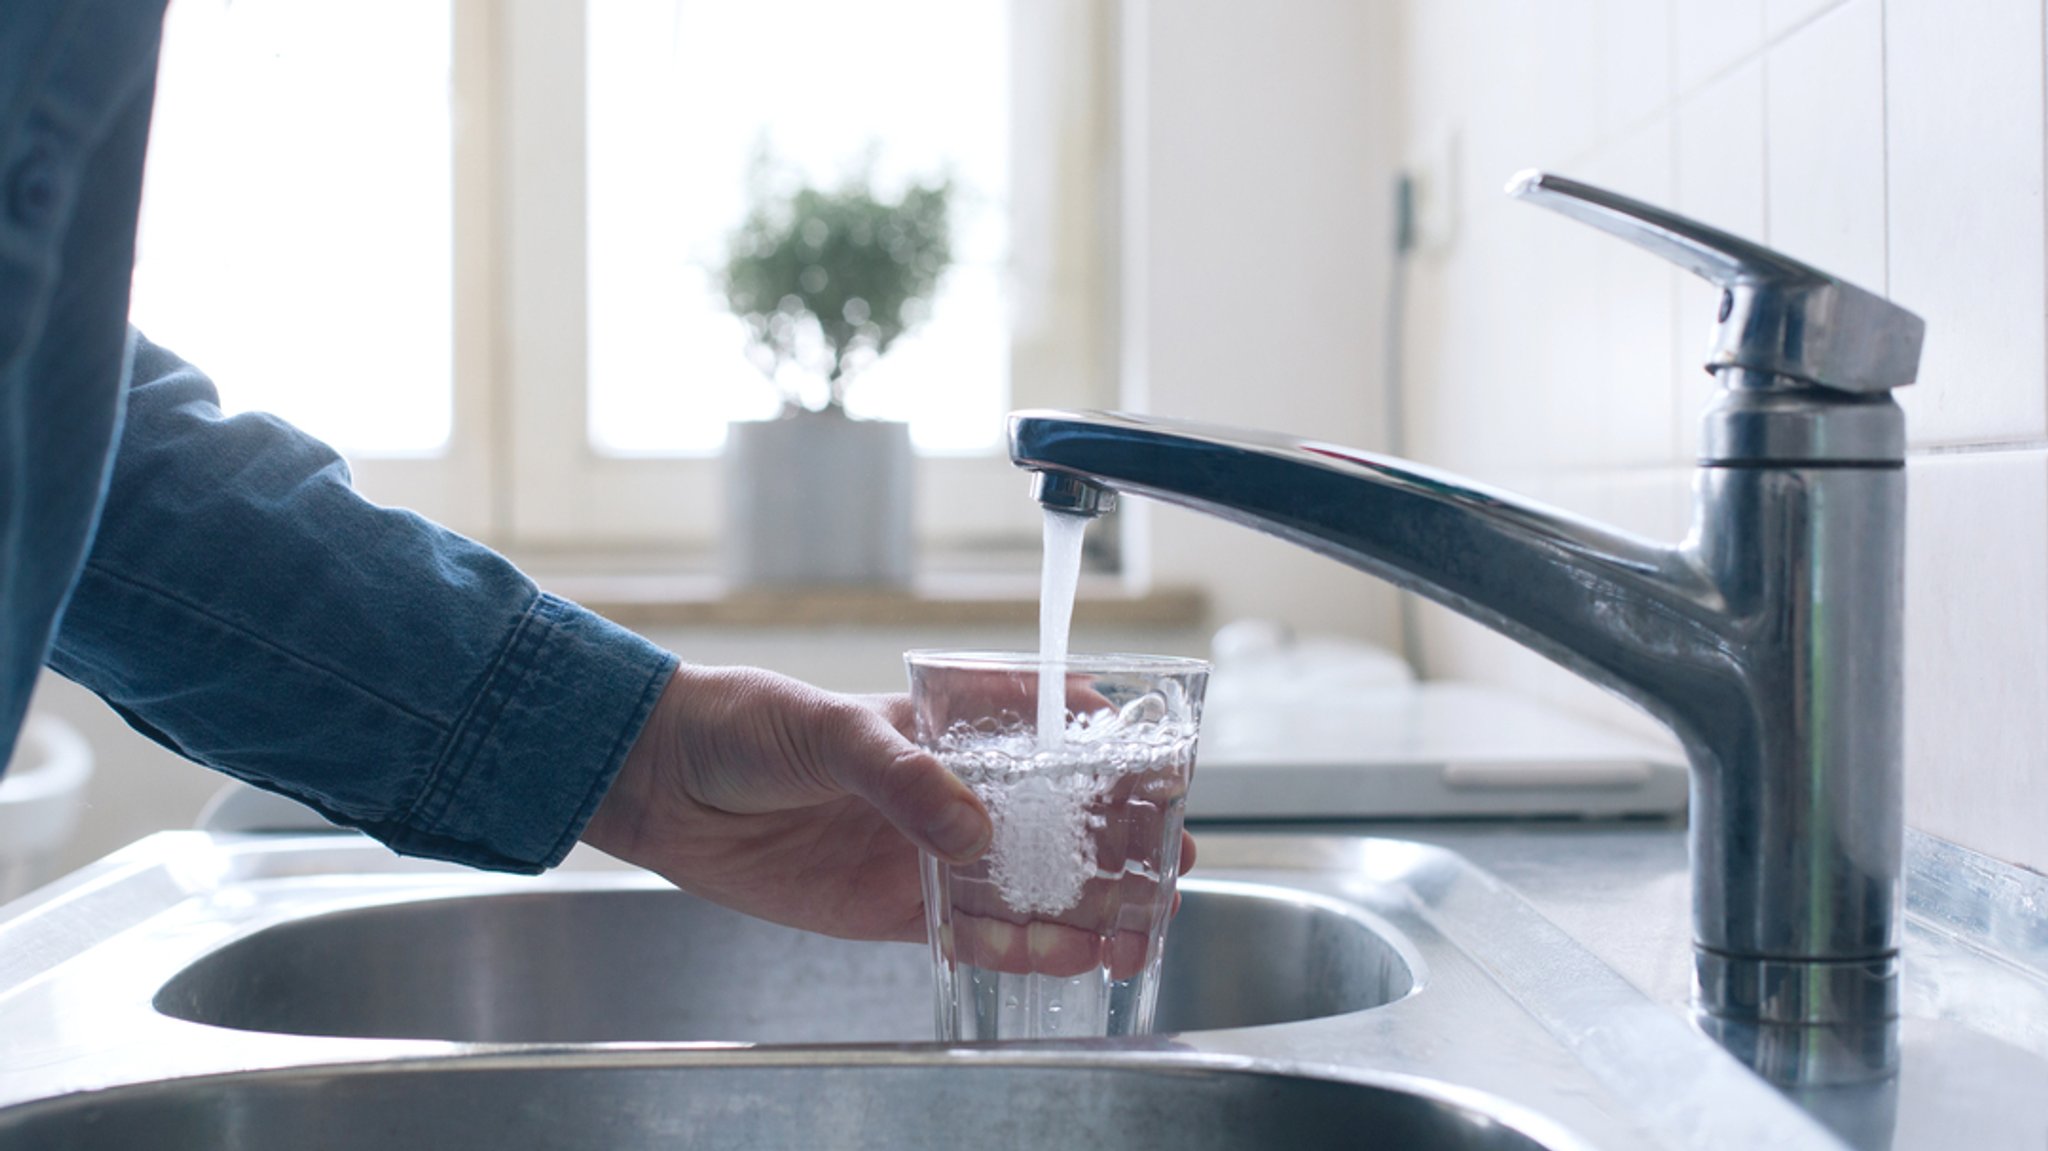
column 788, row 802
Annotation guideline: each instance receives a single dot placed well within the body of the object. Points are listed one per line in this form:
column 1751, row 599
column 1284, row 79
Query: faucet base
column 1808, row 1055
column 1801, row 1022
column 1799, row 992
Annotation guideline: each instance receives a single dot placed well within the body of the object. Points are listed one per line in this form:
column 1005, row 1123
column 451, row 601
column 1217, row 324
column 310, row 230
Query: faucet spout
column 1071, row 495
column 1628, row 613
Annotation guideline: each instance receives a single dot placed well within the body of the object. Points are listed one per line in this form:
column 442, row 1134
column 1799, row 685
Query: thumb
column 911, row 789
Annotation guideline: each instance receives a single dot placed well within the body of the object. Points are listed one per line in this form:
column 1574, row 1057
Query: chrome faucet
column 1768, row 640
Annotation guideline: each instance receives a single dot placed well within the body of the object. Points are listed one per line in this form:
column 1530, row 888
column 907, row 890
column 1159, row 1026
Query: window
column 668, row 182
column 485, row 275
column 295, row 232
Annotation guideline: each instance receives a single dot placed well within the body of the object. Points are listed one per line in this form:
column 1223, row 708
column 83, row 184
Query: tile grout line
column 1763, row 144
column 1676, row 288
column 1884, row 135
column 1803, row 23
column 1766, row 40
column 1982, row 448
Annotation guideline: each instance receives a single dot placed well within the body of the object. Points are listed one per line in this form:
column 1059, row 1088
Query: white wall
column 1258, row 228
column 1897, row 143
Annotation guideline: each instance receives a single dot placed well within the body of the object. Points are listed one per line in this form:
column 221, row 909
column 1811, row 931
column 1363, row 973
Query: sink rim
column 1517, row 1010
column 1148, row 1057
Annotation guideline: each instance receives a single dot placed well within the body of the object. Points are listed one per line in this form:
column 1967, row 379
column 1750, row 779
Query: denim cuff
column 529, row 759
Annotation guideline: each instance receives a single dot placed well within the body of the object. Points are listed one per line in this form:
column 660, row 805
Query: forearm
column 242, row 605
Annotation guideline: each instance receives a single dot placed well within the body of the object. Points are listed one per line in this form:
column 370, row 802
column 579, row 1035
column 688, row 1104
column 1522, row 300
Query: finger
column 1006, row 695
column 1083, row 699
column 896, row 707
column 1127, row 953
column 1043, row 948
column 869, row 757
column 1187, row 852
column 1095, row 908
column 1035, row 946
column 1107, row 905
column 1152, row 804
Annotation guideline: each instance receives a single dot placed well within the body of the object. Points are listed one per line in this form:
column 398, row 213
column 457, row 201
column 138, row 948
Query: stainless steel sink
column 620, row 964
column 245, row 990
column 583, row 1102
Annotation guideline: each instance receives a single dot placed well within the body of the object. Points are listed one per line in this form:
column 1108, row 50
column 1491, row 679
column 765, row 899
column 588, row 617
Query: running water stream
column 1058, row 580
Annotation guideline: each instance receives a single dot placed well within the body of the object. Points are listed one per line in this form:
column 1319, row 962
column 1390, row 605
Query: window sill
column 702, row 600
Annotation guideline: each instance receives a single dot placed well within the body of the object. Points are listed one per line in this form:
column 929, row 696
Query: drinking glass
column 1057, row 932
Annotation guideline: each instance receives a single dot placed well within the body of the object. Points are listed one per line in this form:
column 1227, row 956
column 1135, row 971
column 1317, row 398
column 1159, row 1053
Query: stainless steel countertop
column 1974, row 1036
column 1973, row 1044
column 1620, row 888
column 1508, row 1019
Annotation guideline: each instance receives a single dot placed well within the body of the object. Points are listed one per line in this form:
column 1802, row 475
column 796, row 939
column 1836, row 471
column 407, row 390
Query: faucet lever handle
column 1777, row 314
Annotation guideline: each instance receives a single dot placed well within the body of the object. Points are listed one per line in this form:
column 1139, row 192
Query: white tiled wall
column 1897, row 143
column 1963, row 111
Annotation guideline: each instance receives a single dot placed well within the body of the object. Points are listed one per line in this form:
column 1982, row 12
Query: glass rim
column 1088, row 663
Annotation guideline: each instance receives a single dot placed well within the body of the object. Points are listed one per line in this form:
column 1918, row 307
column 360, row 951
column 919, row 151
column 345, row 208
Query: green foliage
column 828, row 279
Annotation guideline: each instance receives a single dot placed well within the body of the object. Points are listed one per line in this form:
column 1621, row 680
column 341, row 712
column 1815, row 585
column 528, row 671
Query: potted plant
column 826, row 280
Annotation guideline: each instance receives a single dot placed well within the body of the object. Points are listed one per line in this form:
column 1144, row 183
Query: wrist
column 625, row 817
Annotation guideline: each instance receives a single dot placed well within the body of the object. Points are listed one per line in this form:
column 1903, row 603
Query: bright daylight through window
column 685, row 97
column 296, row 233
column 478, row 245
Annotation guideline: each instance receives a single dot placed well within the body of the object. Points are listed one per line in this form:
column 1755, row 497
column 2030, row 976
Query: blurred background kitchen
column 476, row 245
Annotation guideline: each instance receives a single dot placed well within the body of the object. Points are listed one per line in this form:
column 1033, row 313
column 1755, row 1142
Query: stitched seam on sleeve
column 472, row 729
column 252, row 637
column 615, row 757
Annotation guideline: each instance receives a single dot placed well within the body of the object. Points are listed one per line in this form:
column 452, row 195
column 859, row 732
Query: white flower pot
column 818, row 498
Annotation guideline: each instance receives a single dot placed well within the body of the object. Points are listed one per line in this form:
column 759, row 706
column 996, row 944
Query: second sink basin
column 611, row 964
column 922, row 1103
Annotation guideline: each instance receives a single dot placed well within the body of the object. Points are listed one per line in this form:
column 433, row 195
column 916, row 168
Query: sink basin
column 909, row 1104
column 610, row 965
column 222, row 990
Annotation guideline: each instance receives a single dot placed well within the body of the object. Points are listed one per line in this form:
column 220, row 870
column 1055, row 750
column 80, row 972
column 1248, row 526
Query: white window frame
column 519, row 471
column 458, row 486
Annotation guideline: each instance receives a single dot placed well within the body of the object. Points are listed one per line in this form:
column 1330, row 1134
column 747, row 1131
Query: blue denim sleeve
column 76, row 78
column 243, row 606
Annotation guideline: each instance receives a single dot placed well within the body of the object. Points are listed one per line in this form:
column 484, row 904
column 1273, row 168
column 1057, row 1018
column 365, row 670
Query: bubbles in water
column 1142, row 735
column 1043, row 801
column 1042, row 854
